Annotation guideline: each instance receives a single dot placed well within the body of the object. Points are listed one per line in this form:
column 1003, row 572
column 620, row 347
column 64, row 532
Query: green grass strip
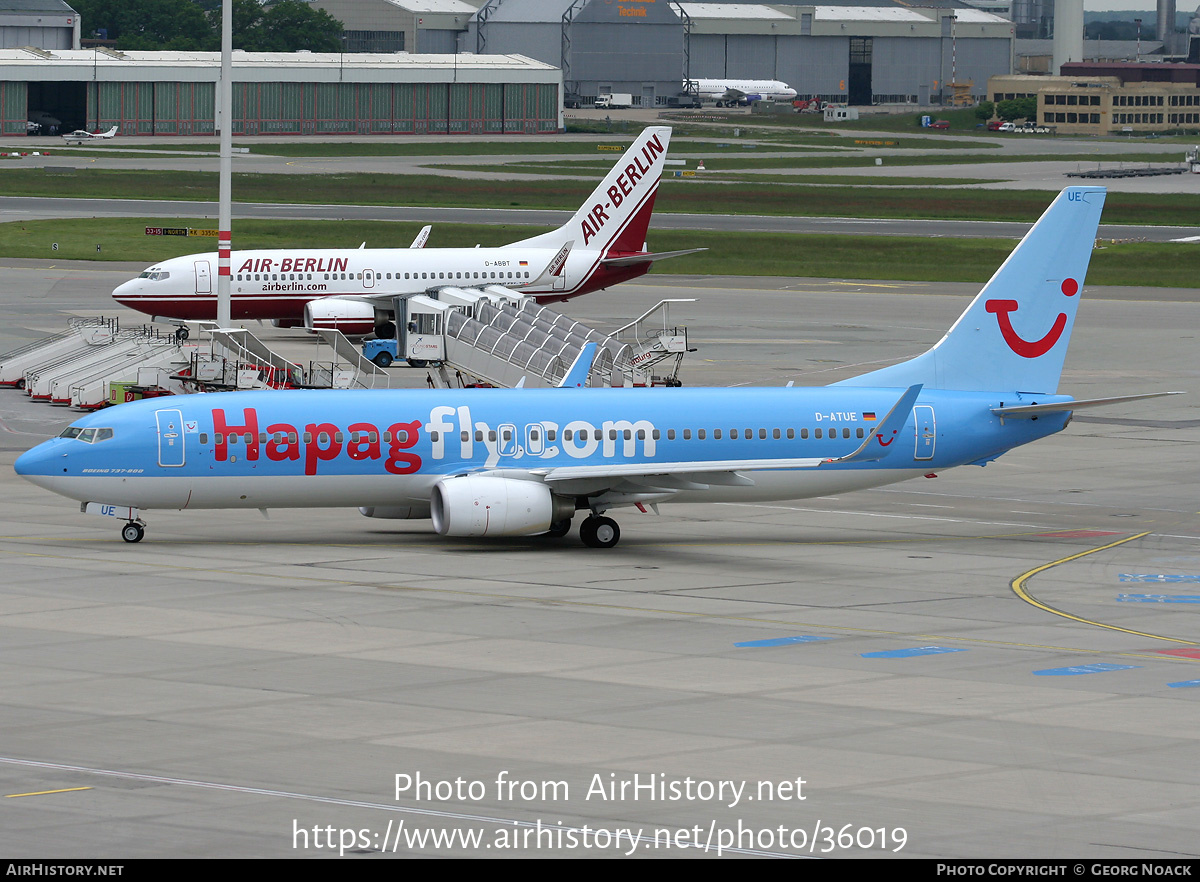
column 910, row 258
column 676, row 195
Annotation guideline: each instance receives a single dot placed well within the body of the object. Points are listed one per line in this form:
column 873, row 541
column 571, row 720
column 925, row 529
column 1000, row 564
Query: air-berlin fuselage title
column 295, row 265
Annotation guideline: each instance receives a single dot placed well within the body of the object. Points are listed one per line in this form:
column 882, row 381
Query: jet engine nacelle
column 354, row 318
column 395, row 512
column 475, row 505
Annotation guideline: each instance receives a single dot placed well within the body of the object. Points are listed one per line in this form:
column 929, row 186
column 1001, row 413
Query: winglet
column 555, row 267
column 422, row 237
column 576, row 377
column 878, row 443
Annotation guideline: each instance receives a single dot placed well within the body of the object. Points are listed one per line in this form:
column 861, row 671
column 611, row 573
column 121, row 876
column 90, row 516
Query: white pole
column 225, row 211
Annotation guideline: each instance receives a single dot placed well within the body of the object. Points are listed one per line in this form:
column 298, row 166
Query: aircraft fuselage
column 269, row 449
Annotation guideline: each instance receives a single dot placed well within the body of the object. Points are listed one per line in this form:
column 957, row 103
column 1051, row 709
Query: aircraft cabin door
column 926, row 431
column 368, row 278
column 203, row 277
column 170, row 438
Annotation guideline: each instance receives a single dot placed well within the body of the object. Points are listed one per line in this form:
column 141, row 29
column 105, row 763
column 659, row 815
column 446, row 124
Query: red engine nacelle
column 354, row 318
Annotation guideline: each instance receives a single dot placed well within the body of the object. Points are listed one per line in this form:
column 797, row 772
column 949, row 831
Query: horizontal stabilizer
column 647, row 257
column 1032, row 410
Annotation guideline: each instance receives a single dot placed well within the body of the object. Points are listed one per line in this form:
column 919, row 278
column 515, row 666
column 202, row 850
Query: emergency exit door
column 926, row 431
column 170, row 438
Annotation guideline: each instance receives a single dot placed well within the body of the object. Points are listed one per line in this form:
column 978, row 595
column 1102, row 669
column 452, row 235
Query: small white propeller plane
column 82, row 136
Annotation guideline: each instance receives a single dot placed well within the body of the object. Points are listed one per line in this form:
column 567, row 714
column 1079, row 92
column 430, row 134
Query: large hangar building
column 503, row 66
column 602, row 46
column 858, row 54
column 284, row 93
column 45, row 24
column 888, row 53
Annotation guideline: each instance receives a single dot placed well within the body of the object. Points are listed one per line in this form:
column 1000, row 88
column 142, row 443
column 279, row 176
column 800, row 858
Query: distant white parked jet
column 730, row 93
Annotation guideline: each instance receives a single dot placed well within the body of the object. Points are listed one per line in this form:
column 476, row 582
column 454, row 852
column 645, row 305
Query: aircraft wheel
column 20, row 384
column 132, row 532
column 599, row 532
column 182, row 333
column 559, row 528
column 383, row 359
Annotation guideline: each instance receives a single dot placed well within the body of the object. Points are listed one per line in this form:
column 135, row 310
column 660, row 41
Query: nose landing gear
column 133, row 532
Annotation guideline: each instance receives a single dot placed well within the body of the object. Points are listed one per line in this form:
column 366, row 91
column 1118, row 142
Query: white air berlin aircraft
column 352, row 290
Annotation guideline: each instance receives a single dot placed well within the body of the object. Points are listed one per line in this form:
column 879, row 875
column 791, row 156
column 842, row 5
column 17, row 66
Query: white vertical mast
column 225, row 211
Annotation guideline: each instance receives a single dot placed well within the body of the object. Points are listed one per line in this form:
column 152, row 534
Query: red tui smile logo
column 1017, row 343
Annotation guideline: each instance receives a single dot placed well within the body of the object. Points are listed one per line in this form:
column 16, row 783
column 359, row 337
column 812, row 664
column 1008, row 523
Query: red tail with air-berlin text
column 617, row 213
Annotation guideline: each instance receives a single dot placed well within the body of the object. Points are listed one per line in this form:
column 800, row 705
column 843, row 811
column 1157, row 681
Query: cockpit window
column 87, row 436
column 155, row 275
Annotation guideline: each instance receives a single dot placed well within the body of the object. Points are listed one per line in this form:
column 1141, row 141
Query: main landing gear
column 133, row 532
column 596, row 531
column 599, row 532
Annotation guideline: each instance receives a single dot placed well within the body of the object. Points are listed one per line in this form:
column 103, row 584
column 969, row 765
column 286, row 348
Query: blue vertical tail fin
column 1014, row 335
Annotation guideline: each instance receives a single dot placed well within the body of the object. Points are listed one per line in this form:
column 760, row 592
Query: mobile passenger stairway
column 506, row 339
column 80, row 366
column 239, row 360
column 96, row 363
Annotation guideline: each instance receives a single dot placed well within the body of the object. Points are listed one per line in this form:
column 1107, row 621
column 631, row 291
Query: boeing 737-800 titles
column 522, row 462
column 352, row 290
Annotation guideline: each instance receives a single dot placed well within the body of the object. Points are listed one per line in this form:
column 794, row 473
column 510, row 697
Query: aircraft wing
column 646, row 257
column 630, row 482
column 732, row 94
column 649, row 470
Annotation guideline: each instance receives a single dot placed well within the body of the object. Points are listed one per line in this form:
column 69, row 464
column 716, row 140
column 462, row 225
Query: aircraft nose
column 124, row 291
column 41, row 463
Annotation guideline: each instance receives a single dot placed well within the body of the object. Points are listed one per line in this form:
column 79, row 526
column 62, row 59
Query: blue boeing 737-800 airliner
column 523, row 462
